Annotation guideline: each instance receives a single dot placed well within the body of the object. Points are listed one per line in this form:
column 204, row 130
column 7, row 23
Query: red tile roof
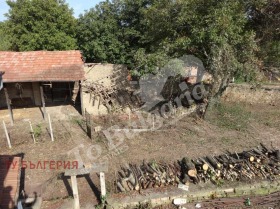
column 10, row 168
column 41, row 66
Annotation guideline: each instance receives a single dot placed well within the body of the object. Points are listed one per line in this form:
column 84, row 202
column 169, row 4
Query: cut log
column 248, row 156
column 205, row 167
column 189, row 167
column 120, row 187
column 277, row 155
column 213, row 162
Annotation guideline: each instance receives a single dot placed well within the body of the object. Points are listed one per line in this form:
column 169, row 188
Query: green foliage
column 37, row 131
column 5, row 44
column 77, row 121
column 41, row 25
column 230, row 116
column 146, row 34
column 264, row 19
column 146, row 205
column 103, row 203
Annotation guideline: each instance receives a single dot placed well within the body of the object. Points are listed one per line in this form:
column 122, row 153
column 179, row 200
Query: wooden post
column 102, row 184
column 129, row 117
column 32, row 132
column 7, row 135
column 75, row 192
column 43, row 101
column 50, row 125
column 81, row 98
column 9, row 106
column 153, row 121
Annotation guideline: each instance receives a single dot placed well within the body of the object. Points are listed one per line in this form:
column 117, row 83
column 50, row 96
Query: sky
column 79, row 6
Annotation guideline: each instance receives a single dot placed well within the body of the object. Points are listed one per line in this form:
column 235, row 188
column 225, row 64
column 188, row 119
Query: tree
column 112, row 31
column 99, row 35
column 41, row 25
column 5, row 44
column 265, row 20
column 214, row 31
column 148, row 33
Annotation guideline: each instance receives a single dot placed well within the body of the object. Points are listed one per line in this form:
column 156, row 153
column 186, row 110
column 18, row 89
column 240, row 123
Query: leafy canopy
column 41, row 25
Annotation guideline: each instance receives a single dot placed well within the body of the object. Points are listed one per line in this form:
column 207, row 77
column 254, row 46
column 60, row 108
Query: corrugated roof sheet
column 42, row 66
column 10, row 168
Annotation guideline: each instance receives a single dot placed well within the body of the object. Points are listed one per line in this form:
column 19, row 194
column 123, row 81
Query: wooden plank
column 32, row 132
column 75, row 192
column 82, row 100
column 102, row 184
column 9, row 106
column 43, row 101
column 7, row 135
column 50, row 125
column 95, row 168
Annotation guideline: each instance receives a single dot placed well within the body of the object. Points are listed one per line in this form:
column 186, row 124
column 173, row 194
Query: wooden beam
column 32, row 132
column 102, row 184
column 9, row 106
column 75, row 192
column 81, row 98
column 50, row 125
column 7, row 135
column 43, row 102
column 95, row 168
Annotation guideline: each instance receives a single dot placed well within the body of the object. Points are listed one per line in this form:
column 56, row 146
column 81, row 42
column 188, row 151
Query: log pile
column 258, row 163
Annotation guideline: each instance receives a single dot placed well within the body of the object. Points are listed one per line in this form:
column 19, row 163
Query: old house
column 32, row 77
column 103, row 85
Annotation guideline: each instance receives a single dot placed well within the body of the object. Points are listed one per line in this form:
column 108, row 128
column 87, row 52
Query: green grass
column 229, row 116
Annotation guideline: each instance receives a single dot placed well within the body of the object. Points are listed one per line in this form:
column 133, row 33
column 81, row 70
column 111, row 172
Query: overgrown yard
column 228, row 126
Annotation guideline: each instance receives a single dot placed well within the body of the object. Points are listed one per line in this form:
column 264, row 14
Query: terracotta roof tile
column 42, row 66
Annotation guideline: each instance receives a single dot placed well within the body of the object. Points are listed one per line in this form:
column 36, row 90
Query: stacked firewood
column 258, row 163
column 148, row 175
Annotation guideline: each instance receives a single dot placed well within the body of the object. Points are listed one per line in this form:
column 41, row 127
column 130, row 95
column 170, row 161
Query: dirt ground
column 227, row 126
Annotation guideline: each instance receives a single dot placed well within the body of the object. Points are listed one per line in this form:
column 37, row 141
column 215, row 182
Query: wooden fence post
column 102, row 184
column 50, row 125
column 32, row 132
column 43, row 101
column 7, row 135
column 9, row 106
column 75, row 192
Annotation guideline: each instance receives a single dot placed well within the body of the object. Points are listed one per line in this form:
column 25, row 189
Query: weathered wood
column 95, row 168
column 277, row 154
column 50, row 125
column 190, row 167
column 213, row 163
column 102, row 184
column 43, row 102
column 9, row 106
column 75, row 192
column 82, row 99
column 32, row 132
column 7, row 135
